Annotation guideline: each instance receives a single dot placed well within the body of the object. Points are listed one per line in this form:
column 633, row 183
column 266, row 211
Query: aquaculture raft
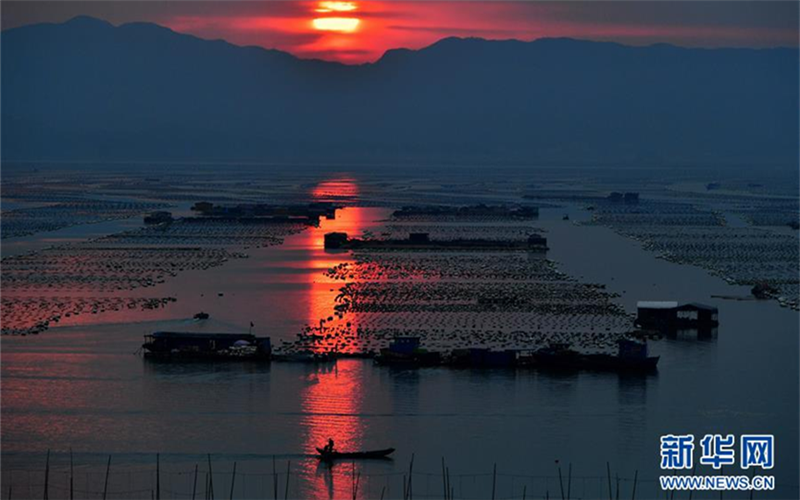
column 206, row 346
column 632, row 356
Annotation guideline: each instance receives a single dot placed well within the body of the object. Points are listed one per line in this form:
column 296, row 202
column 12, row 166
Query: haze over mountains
column 86, row 90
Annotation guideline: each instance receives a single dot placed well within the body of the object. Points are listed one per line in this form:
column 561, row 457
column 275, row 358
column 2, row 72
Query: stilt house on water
column 209, row 346
column 668, row 315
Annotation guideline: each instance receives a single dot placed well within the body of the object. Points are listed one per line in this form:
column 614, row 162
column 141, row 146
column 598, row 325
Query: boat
column 201, row 315
column 353, row 455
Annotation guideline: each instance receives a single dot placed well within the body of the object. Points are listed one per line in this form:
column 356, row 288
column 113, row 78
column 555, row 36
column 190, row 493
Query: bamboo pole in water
column 194, row 484
column 608, row 472
column 233, row 480
column 444, row 480
column 158, row 477
column 560, row 482
column 411, row 478
column 288, row 475
column 47, row 476
column 569, row 481
column 449, row 488
column 274, row 479
column 356, row 486
column 71, row 477
column 210, row 479
column 105, row 485
column 494, row 479
column 356, row 481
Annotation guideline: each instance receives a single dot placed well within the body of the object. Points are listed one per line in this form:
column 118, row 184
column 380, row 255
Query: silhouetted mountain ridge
column 87, row 90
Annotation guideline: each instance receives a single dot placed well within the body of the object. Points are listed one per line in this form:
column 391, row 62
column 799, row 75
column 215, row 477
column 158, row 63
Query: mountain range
column 88, row 90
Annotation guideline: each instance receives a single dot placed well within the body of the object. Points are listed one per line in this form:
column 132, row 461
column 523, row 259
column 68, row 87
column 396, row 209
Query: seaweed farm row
column 96, row 275
column 32, row 315
column 32, row 220
column 688, row 234
column 458, row 298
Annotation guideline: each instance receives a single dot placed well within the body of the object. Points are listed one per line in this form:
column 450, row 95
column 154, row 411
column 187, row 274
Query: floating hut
column 407, row 351
column 669, row 315
column 311, row 211
column 335, row 240
column 480, row 210
column 422, row 241
column 206, row 346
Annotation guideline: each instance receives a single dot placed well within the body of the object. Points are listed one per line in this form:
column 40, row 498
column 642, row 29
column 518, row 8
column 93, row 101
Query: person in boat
column 328, row 447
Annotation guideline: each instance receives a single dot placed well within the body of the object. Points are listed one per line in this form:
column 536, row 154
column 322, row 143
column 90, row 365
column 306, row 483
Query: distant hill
column 86, row 90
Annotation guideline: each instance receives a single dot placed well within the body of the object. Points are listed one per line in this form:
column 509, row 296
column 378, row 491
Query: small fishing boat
column 352, row 455
column 201, row 315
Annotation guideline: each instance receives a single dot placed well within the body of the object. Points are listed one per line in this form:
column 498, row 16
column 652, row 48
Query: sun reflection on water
column 333, row 397
column 332, row 402
column 323, row 289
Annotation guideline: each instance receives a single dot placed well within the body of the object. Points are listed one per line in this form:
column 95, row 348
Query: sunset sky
column 361, row 31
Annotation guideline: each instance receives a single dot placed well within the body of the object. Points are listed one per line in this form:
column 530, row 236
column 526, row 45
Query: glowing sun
column 337, row 22
column 336, row 7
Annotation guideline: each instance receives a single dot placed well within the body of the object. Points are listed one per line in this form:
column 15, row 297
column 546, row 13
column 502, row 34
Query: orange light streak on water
column 333, row 397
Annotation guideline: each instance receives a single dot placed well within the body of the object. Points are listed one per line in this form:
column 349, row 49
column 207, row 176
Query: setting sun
column 336, row 7
column 340, row 24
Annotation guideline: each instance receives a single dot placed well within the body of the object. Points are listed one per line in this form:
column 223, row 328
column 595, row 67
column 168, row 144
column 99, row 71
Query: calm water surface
column 81, row 387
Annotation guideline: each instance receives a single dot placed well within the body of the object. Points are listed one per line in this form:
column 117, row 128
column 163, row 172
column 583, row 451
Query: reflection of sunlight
column 337, row 189
column 323, row 290
column 332, row 402
column 57, row 389
column 348, row 220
